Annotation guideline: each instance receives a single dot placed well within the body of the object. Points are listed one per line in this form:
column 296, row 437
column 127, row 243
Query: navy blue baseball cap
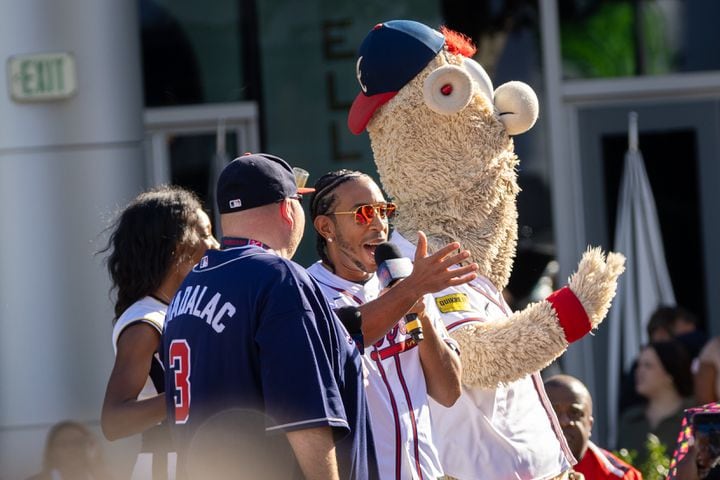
column 390, row 56
column 254, row 180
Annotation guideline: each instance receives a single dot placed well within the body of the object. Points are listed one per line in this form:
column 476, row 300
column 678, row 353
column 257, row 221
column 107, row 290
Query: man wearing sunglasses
column 351, row 218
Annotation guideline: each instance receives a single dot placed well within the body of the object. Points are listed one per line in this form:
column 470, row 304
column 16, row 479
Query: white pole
column 65, row 166
column 633, row 143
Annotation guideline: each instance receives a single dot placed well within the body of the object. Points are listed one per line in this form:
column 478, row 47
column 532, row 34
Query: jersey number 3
column 180, row 360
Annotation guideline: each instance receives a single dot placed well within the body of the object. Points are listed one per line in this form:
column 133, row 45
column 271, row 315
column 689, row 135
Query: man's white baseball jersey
column 510, row 432
column 395, row 387
column 151, row 311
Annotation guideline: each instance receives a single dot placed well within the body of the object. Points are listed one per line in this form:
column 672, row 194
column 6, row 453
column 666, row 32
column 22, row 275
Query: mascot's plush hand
column 441, row 137
column 594, row 286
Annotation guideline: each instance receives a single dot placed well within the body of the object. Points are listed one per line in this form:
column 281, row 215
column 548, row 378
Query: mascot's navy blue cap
column 254, row 180
column 389, row 57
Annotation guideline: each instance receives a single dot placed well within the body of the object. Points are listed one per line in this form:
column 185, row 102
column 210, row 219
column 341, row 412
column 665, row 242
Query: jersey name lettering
column 190, row 302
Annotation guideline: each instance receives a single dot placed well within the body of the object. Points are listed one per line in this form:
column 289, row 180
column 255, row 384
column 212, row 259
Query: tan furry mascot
column 441, row 139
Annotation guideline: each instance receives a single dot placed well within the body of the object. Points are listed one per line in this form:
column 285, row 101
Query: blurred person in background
column 701, row 460
column 683, row 326
column 154, row 243
column 72, row 453
column 707, row 375
column 664, row 379
column 572, row 403
column 665, row 323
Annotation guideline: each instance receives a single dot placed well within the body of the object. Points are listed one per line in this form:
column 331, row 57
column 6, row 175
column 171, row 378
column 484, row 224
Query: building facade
column 102, row 99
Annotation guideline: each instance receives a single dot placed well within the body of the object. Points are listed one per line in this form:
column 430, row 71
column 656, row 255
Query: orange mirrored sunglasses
column 364, row 214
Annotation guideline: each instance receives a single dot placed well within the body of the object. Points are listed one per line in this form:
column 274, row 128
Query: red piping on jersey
column 464, row 321
column 396, row 414
column 411, row 411
column 394, row 349
column 378, row 355
column 232, row 242
column 500, row 305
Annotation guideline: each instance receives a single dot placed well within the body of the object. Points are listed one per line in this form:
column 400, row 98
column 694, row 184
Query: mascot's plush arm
column 491, row 353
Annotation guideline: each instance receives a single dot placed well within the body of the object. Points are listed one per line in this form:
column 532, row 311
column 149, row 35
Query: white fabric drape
column 646, row 282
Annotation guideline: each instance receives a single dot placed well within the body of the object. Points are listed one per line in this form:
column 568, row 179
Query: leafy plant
column 657, row 464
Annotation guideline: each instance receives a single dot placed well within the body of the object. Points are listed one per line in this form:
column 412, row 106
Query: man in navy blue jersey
column 253, row 350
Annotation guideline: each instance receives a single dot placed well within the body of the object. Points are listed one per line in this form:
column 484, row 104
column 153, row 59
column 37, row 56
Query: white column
column 567, row 200
column 65, row 166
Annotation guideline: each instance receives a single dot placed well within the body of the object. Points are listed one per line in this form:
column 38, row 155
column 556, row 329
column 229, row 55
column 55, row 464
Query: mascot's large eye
column 517, row 107
column 480, row 76
column 447, row 90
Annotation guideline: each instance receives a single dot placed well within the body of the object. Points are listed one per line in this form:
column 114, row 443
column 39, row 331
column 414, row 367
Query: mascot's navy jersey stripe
column 260, row 335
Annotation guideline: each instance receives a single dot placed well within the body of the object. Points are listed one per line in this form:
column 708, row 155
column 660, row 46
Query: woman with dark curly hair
column 154, row 244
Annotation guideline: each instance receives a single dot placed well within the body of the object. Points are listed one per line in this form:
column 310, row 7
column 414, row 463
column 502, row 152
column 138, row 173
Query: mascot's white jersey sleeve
column 147, row 310
column 510, row 432
column 395, row 387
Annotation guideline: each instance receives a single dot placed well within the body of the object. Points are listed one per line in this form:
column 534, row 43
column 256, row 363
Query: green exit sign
column 41, row 77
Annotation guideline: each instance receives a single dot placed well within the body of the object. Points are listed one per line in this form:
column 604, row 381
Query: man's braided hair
column 324, row 199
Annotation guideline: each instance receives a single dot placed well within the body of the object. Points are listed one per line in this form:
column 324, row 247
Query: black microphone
column 352, row 319
column 391, row 268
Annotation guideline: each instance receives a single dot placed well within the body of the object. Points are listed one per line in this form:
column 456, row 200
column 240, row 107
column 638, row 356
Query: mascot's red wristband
column 573, row 319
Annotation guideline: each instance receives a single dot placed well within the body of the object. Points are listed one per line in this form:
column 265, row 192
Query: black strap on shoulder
column 157, row 374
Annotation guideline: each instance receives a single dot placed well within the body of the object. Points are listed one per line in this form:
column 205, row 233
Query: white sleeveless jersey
column 151, row 311
column 510, row 432
column 147, row 310
column 395, row 387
